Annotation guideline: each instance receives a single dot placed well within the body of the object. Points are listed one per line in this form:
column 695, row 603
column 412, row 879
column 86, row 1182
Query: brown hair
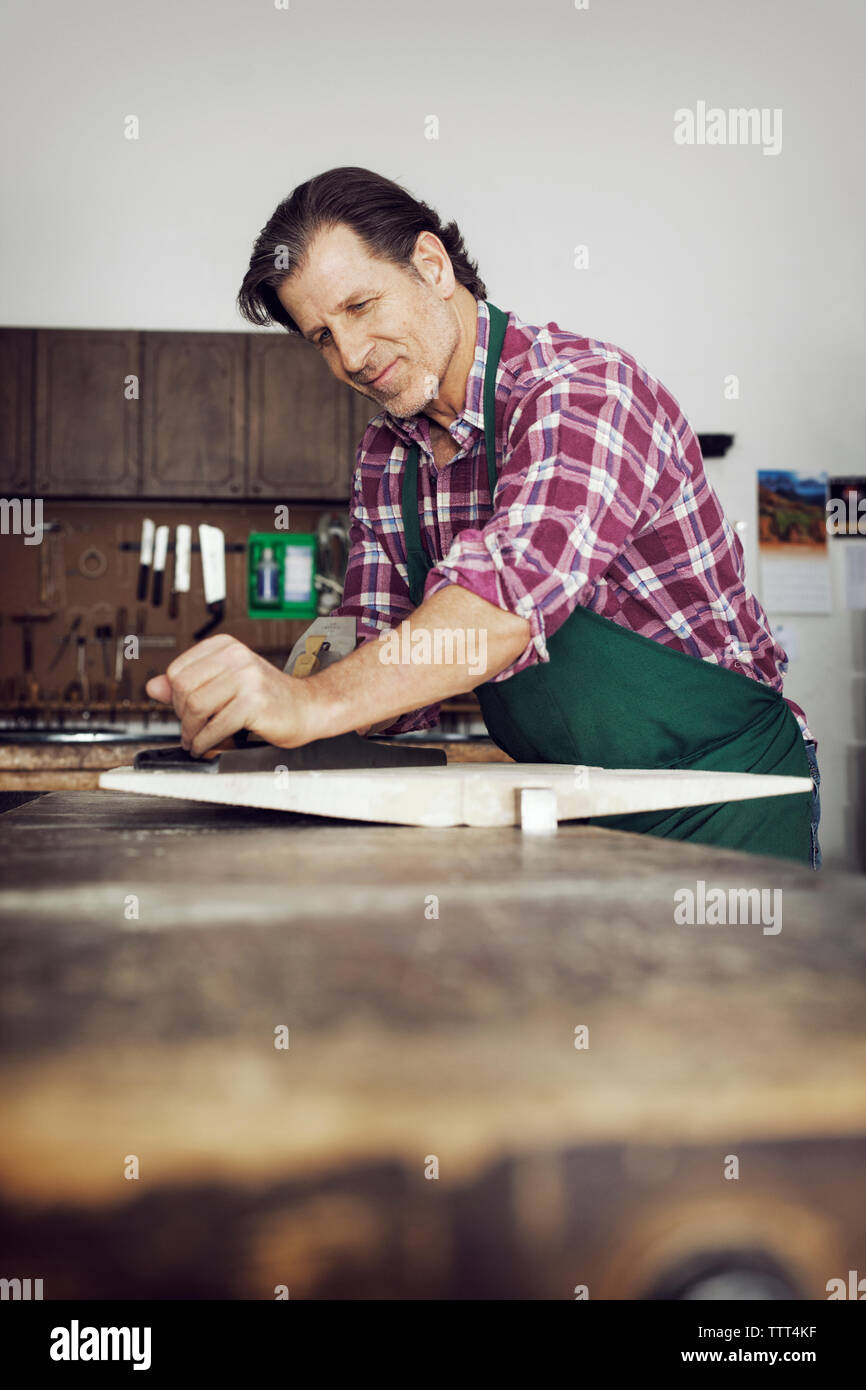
column 385, row 216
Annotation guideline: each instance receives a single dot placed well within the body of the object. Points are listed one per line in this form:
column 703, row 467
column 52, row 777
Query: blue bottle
column 267, row 578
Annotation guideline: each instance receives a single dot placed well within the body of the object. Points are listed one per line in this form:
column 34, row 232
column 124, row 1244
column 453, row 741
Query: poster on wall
column 792, row 539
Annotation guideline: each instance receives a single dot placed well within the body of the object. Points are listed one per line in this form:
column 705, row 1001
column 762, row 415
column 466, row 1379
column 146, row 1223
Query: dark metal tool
column 103, row 634
column 343, row 752
column 79, row 689
column 26, row 620
column 76, row 623
column 121, row 677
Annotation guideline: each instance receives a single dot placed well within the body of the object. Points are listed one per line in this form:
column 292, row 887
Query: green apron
column 609, row 697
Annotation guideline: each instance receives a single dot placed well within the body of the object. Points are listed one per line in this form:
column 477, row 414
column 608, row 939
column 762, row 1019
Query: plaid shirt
column 601, row 500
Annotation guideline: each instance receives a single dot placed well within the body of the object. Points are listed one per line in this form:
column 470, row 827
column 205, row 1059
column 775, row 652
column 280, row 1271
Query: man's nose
column 355, row 348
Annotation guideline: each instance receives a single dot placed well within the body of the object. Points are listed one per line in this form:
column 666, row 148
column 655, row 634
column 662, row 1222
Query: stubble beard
column 442, row 336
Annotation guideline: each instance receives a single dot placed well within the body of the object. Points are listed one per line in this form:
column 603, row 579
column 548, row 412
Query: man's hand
column 219, row 686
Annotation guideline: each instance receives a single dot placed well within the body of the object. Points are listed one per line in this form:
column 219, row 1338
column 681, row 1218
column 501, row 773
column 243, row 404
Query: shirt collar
column 416, row 428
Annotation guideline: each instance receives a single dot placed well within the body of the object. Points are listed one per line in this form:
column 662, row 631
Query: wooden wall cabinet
column 217, row 415
column 16, row 410
column 300, row 418
column 193, row 393
column 87, row 421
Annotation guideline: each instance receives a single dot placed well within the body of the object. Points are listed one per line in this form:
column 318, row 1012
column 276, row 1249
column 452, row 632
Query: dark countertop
column 151, row 949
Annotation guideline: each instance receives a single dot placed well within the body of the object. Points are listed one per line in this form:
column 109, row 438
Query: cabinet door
column 299, row 422
column 16, row 410
column 87, row 413
column 193, row 399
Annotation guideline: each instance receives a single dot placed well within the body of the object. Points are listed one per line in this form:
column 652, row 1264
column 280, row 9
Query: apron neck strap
column 498, row 325
column 411, row 501
column 410, row 496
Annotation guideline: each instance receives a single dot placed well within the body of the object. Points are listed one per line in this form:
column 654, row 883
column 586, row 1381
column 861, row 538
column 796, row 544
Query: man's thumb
column 159, row 688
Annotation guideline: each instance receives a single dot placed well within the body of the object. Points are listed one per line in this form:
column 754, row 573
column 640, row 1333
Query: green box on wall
column 289, row 573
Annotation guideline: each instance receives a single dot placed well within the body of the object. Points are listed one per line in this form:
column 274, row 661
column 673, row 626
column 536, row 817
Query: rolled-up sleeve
column 573, row 489
column 376, row 595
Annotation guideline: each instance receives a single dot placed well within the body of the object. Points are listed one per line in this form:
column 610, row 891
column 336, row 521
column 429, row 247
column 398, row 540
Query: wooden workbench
column 151, row 949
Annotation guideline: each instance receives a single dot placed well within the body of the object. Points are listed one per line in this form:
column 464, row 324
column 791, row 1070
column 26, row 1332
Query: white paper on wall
column 855, row 576
column 786, row 634
column 801, row 585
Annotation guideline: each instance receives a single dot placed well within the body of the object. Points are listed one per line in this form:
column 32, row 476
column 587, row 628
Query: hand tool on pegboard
column 49, row 588
column 73, row 628
column 121, row 676
column 79, row 689
column 101, row 615
column 26, row 622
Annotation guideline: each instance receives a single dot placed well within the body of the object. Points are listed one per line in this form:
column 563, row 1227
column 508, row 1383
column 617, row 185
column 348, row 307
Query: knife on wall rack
column 160, row 555
column 181, row 578
column 213, row 563
column 145, row 557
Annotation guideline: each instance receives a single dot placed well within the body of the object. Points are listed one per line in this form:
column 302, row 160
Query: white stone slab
column 482, row 794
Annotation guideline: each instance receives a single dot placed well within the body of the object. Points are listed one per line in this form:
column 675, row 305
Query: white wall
column 556, row 128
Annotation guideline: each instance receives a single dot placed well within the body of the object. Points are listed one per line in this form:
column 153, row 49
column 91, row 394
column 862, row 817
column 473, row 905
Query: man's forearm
column 453, row 642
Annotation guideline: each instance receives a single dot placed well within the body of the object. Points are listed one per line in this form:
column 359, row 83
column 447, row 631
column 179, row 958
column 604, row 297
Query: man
column 536, row 493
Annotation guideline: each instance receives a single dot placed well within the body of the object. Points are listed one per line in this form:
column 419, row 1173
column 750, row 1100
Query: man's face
column 366, row 315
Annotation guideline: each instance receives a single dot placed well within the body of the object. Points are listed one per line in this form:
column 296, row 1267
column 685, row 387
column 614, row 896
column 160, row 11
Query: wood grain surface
column 413, row 1037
